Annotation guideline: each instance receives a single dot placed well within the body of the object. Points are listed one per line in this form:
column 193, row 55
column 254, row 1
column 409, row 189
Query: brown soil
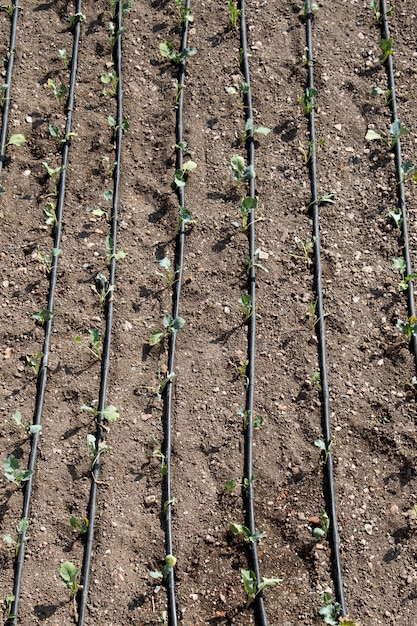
column 373, row 407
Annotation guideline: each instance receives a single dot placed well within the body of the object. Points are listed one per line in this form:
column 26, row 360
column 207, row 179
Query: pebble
column 226, row 310
column 368, row 529
column 150, row 500
column 29, row 119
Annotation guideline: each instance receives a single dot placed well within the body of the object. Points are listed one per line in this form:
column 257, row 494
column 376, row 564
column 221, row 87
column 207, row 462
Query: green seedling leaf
column 372, row 135
column 386, row 47
column 42, row 316
column 262, row 130
column 230, row 485
column 167, row 50
column 397, row 131
column 31, row 429
column 79, row 524
column 250, row 586
column 13, row 472
column 16, row 140
column 189, row 166
column 409, row 328
column 238, row 163
column 155, row 337
column 69, row 573
column 400, row 265
column 320, row 444
column 111, row 414
column 331, row 611
column 156, row 575
column 396, row 216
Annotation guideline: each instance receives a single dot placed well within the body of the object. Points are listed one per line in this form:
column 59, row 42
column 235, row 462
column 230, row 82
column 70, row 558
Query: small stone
column 360, row 35
column 368, row 529
column 27, row 173
column 194, row 597
column 263, row 256
column 127, row 326
column 42, row 529
column 209, row 539
column 226, row 310
column 150, row 501
column 29, row 119
column 338, row 126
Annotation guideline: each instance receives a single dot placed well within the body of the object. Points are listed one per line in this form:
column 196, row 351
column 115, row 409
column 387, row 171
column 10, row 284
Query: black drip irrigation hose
column 321, row 336
column 399, row 176
column 43, row 369
column 168, row 400
column 105, row 359
column 250, row 372
column 9, row 72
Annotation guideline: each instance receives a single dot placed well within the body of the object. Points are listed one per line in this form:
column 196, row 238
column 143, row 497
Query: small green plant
column 408, row 172
column 59, row 92
column 316, row 380
column 184, row 14
column 170, row 563
column 48, row 260
column 167, row 51
column 252, row 588
column 234, row 13
column 245, row 415
column 178, row 87
column 239, row 529
column 328, row 198
column 13, row 472
column 42, row 316
column 185, row 217
column 240, row 170
column 386, row 47
column 3, row 92
column 64, row 56
column 54, row 174
column 400, row 265
column 102, row 289
column 387, row 94
column 30, row 429
column 232, row 484
column 49, row 213
column 95, row 342
column 22, row 527
column 320, row 532
column 74, row 19
column 96, row 449
column 108, row 197
column 171, row 326
column 110, row 165
column 396, row 216
column 16, row 140
column 9, row 600
column 69, row 574
column 111, row 80
column 397, row 131
column 169, row 273
column 308, row 249
column 34, row 361
column 331, row 611
column 248, row 205
column 321, row 445
column 253, row 262
column 241, row 92
column 409, row 328
column 312, row 318
column 308, row 8
column 114, row 34
column 308, row 100
column 163, row 382
column 377, row 13
column 181, row 175
column 79, row 524
column 158, row 454
column 118, row 256
column 250, row 131
column 246, row 302
column 124, row 126
column 54, row 132
column 311, row 149
column 8, row 8
column 110, row 413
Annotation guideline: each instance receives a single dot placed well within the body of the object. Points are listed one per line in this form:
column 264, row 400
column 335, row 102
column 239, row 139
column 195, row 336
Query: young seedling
column 124, row 126
column 9, row 603
column 22, row 527
column 74, row 19
column 240, row 170
column 400, row 265
column 231, row 484
column 64, row 56
column 16, row 140
column 241, row 92
column 54, row 132
column 185, row 218
column 397, row 131
column 9, row 8
column 308, row 100
column 54, row 174
column 241, row 371
column 248, row 205
column 114, row 34
column 171, row 326
column 69, row 574
column 108, row 197
column 58, row 92
column 167, row 51
column 409, row 328
column 331, row 613
column 397, row 217
column 253, row 263
column 163, row 382
column 250, row 131
column 245, row 415
column 42, row 316
column 246, row 302
column 387, row 94
column 310, row 149
column 168, row 274
column 178, row 88
column 96, row 450
column 111, row 80
column 306, row 10
column 252, row 589
column 408, row 172
column 181, row 176
column 48, row 260
column 377, row 13
column 110, row 413
column 320, row 532
column 102, row 289
column 3, row 98
column 110, row 165
column 328, row 198
column 184, row 14
column 13, row 472
column 49, row 213
column 158, row 454
column 79, row 524
column 312, row 318
column 95, row 343
column 170, row 562
column 239, row 529
column 386, row 47
column 118, row 256
column 308, row 249
column 234, row 13
column 30, row 429
column 316, row 381
column 34, row 361
column 320, row 444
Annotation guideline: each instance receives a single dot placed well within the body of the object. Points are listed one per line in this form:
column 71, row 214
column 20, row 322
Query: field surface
column 96, row 271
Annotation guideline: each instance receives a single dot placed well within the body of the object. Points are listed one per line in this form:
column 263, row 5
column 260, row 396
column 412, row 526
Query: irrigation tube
column 168, row 400
column 321, row 336
column 43, row 369
column 399, row 175
column 248, row 469
column 105, row 360
column 6, row 107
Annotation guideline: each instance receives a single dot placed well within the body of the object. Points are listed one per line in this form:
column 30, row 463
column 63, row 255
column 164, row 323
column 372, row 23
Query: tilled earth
column 372, row 399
